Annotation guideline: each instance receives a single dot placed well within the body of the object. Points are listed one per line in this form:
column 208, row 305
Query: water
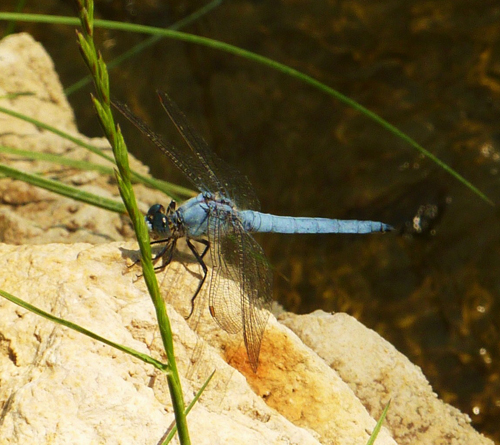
column 433, row 70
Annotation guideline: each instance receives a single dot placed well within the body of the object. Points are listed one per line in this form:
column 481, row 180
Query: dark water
column 431, row 68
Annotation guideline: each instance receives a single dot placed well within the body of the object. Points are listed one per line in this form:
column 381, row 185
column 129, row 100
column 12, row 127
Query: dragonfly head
column 157, row 221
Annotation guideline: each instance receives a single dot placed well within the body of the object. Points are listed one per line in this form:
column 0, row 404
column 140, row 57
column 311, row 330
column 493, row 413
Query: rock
column 62, row 387
column 73, row 261
column 377, row 373
column 32, row 215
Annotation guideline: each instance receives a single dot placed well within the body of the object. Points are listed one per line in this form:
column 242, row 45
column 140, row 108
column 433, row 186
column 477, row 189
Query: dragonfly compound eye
column 157, row 221
column 156, row 208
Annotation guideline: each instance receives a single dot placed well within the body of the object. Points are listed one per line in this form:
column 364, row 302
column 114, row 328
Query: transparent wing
column 221, row 177
column 182, row 159
column 240, row 289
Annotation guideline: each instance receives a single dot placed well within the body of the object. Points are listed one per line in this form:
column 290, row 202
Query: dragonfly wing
column 226, row 180
column 182, row 159
column 256, row 295
column 224, row 290
column 240, row 291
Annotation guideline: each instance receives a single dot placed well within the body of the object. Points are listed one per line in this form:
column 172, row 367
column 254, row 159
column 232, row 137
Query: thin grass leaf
column 63, row 189
column 210, row 43
column 12, row 25
column 169, row 435
column 10, row 96
column 175, row 191
column 139, row 355
column 145, row 44
column 102, row 104
column 58, row 132
column 57, row 159
column 378, row 426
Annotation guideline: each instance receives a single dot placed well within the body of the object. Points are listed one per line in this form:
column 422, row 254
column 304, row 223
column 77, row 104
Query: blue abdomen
column 265, row 222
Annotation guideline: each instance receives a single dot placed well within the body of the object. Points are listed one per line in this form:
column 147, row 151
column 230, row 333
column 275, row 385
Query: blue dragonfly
column 222, row 219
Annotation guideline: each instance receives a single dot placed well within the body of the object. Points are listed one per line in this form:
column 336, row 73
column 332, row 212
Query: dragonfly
column 221, row 219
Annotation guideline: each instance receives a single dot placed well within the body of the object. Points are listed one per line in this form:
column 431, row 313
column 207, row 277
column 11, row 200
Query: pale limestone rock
column 61, row 387
column 27, row 68
column 377, row 372
column 294, row 382
column 34, row 215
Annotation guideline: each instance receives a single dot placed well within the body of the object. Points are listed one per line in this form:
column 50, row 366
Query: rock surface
column 324, row 385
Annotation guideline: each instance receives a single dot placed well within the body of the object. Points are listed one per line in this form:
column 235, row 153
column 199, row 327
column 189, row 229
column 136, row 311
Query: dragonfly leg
column 206, row 243
column 160, row 254
column 169, row 245
column 167, row 249
column 199, row 258
column 171, row 207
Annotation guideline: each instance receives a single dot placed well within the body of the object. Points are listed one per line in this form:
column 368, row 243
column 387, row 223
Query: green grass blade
column 56, row 131
column 210, row 43
column 63, row 189
column 102, row 105
column 12, row 25
column 139, row 355
column 169, row 435
column 378, row 426
column 57, row 159
column 145, row 44
column 173, row 190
